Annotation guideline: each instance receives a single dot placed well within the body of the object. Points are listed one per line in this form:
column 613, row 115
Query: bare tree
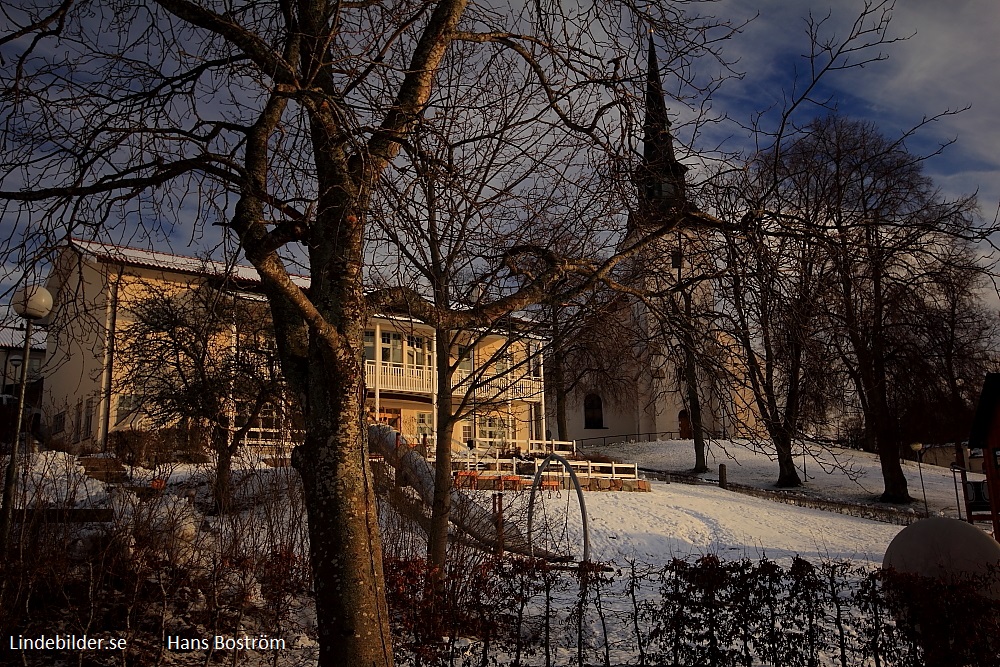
column 882, row 226
column 773, row 290
column 279, row 121
column 205, row 358
column 944, row 343
column 448, row 207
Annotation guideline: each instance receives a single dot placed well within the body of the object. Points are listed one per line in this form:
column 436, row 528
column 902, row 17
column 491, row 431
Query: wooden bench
column 549, row 484
column 511, row 482
column 466, row 479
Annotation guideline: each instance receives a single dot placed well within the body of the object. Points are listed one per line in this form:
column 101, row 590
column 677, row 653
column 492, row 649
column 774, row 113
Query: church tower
column 657, row 403
column 667, row 390
column 660, row 177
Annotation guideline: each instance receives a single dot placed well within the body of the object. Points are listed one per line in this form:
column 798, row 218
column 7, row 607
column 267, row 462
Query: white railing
column 493, row 447
column 392, row 376
column 591, row 469
column 501, row 388
column 587, row 469
column 399, row 377
column 552, row 446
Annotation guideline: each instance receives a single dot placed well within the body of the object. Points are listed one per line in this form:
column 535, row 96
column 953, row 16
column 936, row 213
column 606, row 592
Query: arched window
column 593, row 411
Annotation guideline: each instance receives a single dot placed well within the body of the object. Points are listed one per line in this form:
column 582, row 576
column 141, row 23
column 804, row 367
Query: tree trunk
column 896, row 490
column 346, row 552
column 694, row 411
column 555, row 380
column 222, row 494
column 562, row 421
column 324, row 364
column 694, row 402
column 437, row 538
column 788, row 476
column 880, row 436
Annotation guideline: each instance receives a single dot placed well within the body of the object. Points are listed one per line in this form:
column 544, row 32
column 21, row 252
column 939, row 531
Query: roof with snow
column 12, row 337
column 165, row 261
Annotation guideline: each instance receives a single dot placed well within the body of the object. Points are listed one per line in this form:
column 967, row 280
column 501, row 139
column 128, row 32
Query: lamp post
column 31, row 303
column 15, row 362
column 918, row 449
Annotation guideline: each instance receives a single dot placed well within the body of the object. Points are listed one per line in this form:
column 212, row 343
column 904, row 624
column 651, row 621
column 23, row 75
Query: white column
column 511, row 424
column 378, row 368
column 434, row 385
column 541, row 371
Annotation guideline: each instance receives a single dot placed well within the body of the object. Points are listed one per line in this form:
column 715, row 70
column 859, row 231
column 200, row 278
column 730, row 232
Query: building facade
column 498, row 378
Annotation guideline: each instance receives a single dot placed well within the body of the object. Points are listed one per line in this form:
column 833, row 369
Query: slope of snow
column 678, row 520
column 828, row 472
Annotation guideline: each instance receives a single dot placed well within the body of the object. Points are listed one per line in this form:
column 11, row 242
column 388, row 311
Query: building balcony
column 390, row 376
column 509, row 387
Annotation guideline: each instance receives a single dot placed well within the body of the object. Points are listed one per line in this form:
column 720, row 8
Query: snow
column 673, row 520
column 681, row 519
column 55, row 478
column 677, row 520
column 828, row 473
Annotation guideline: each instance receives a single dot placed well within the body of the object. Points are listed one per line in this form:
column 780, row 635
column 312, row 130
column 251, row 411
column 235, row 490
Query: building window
column 369, row 346
column 493, row 430
column 465, row 358
column 536, row 363
column 88, row 419
column 59, row 423
column 425, row 424
column 392, row 347
column 266, row 427
column 128, row 405
column 593, row 411
column 504, row 363
column 416, row 354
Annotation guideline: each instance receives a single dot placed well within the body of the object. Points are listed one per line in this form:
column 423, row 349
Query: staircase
column 104, row 469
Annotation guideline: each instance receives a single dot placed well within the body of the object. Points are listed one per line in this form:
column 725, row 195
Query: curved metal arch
column 579, row 493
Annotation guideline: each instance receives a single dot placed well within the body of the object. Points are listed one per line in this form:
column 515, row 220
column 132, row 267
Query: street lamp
column 31, row 303
column 918, row 449
column 15, row 362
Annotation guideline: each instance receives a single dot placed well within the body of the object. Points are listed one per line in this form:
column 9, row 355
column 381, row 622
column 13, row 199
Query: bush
column 151, row 448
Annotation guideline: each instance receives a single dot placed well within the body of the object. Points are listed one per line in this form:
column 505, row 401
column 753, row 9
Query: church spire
column 661, row 176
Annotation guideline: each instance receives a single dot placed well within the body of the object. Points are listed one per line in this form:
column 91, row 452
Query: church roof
column 658, row 143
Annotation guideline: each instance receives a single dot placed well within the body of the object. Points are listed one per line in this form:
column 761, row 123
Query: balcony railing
column 508, row 387
column 399, row 377
column 390, row 376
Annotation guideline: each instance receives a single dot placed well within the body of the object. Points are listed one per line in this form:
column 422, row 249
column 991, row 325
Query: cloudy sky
column 949, row 61
column 946, row 63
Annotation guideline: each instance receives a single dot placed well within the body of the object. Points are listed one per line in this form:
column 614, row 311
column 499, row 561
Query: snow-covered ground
column 675, row 519
column 839, row 474
column 680, row 519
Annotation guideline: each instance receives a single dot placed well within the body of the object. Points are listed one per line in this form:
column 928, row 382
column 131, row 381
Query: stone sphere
column 948, row 550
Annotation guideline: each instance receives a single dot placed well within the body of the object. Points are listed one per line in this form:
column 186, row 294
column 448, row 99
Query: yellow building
column 498, row 380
